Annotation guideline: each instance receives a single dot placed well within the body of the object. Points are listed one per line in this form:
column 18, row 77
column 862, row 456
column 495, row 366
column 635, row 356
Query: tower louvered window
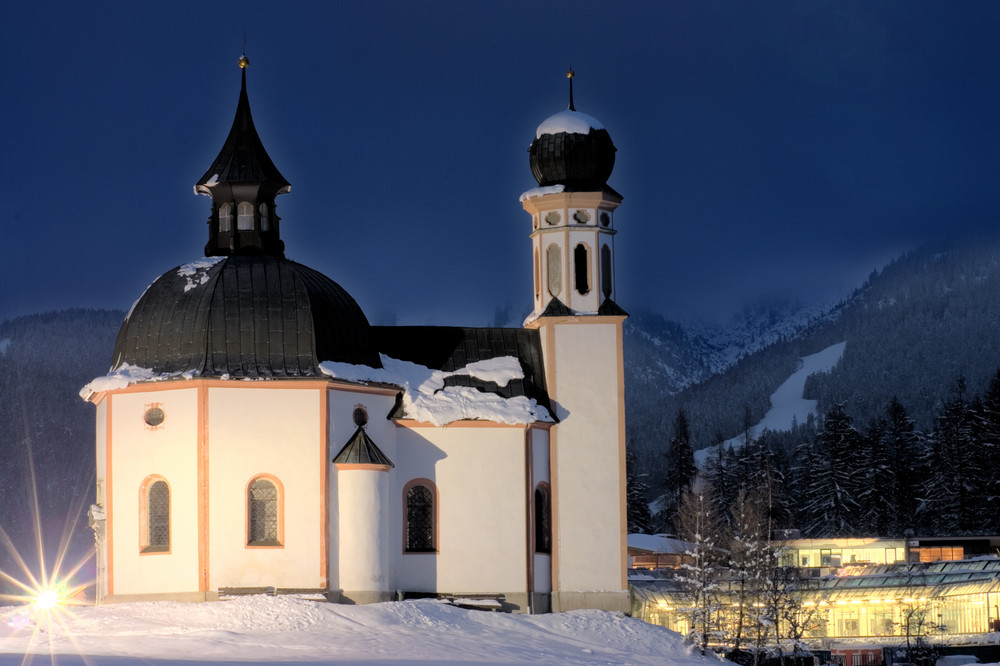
column 158, row 518
column 420, row 520
column 263, row 514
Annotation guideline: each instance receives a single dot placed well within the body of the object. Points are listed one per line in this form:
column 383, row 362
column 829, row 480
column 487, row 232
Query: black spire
column 243, row 183
column 569, row 75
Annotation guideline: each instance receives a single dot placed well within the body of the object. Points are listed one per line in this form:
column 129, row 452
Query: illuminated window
column 155, row 516
column 244, row 216
column 263, row 513
column 226, row 217
column 543, row 519
column 420, row 527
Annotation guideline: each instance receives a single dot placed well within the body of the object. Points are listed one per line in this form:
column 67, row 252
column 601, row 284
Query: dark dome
column 572, row 149
column 245, row 316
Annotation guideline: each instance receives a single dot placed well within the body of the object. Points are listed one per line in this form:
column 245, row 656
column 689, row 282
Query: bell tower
column 580, row 326
column 572, row 214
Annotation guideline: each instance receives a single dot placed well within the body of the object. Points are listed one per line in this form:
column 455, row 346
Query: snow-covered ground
column 288, row 629
column 787, row 404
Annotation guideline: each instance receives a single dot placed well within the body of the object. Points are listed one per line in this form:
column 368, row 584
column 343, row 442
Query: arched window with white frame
column 244, row 216
column 226, row 217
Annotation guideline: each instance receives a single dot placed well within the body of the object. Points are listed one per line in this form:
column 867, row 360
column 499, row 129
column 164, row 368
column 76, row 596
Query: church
column 255, row 433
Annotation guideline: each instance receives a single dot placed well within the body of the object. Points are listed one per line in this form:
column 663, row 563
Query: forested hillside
column 47, row 441
column 912, row 329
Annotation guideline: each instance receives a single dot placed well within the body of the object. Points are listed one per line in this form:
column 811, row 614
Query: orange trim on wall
column 363, row 466
column 280, row 488
column 203, row 490
column 622, row 494
column 324, row 475
column 529, row 480
column 549, row 355
column 109, row 502
column 437, row 522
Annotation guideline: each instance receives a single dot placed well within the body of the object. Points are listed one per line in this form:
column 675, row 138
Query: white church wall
column 363, row 538
column 588, row 451
column 346, row 570
column 255, row 430
column 168, row 451
column 479, row 471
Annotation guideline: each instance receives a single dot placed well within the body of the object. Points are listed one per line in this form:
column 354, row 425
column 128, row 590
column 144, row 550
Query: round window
column 552, row 218
column 360, row 415
column 154, row 416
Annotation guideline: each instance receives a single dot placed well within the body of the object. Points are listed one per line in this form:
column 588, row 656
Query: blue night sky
column 777, row 149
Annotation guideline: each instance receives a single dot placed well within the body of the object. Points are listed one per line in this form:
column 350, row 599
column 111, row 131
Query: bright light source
column 50, row 598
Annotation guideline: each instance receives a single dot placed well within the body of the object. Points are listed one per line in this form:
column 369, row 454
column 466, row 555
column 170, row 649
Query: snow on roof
column 426, row 398
column 125, row 375
column 290, row 629
column 658, row 543
column 539, row 191
column 196, row 272
column 570, row 122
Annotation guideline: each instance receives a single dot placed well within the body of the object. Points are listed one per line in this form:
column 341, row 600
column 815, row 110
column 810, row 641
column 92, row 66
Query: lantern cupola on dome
column 243, row 183
column 572, row 149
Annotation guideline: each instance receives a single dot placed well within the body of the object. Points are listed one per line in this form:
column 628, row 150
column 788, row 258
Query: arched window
column 226, row 217
column 155, row 516
column 543, row 519
column 244, row 216
column 581, row 265
column 553, row 269
column 263, row 513
column 606, row 271
column 420, row 527
column 265, row 217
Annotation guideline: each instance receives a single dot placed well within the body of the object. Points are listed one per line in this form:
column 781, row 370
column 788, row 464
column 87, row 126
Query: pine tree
column 640, row 520
column 828, row 500
column 680, row 470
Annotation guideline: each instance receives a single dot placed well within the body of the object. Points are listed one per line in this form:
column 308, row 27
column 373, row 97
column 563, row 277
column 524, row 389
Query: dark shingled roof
column 450, row 348
column 243, row 158
column 361, row 450
column 245, row 316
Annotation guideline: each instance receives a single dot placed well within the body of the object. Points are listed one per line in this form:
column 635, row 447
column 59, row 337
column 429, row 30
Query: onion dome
column 572, row 149
column 244, row 317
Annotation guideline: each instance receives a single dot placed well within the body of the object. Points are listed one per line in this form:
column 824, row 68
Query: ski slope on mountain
column 788, row 406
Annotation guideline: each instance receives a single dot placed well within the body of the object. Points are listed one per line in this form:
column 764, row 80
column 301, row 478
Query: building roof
column 361, row 450
column 451, row 348
column 245, row 317
column 242, row 158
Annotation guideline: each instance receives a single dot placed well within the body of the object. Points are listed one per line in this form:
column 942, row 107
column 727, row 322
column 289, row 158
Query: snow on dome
column 426, row 398
column 196, row 272
column 119, row 379
column 540, row 191
column 570, row 122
